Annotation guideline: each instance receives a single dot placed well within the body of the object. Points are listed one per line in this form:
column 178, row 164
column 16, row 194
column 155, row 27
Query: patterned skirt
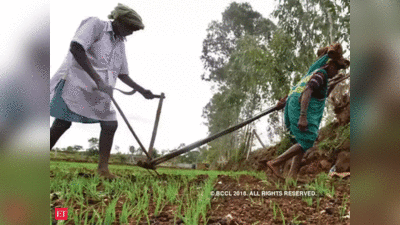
column 60, row 110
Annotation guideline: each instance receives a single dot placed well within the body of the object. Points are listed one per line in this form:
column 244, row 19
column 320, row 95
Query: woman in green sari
column 305, row 104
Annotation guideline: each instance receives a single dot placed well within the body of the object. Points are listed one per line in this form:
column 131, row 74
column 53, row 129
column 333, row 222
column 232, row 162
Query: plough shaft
column 208, row 139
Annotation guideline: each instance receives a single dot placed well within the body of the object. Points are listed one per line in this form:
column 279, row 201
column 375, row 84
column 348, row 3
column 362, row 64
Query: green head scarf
column 322, row 61
column 126, row 15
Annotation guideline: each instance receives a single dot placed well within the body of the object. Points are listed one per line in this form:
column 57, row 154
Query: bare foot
column 106, row 174
column 274, row 170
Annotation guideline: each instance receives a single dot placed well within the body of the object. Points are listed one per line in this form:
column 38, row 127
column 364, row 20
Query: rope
column 126, row 92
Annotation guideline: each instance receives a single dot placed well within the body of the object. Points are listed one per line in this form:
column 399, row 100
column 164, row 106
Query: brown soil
column 243, row 209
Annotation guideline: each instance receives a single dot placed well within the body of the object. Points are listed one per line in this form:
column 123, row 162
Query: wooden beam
column 251, row 143
column 153, row 137
column 210, row 138
column 259, row 139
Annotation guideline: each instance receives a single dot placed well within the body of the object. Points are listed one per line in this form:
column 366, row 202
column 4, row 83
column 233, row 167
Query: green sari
column 314, row 112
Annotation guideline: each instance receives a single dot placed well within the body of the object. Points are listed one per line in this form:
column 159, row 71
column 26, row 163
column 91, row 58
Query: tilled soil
column 259, row 209
column 244, row 210
column 239, row 209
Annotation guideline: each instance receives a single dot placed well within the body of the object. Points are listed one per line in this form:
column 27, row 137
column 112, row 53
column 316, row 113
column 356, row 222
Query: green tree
column 233, row 52
column 190, row 157
column 155, row 153
column 94, row 146
column 70, row 149
column 238, row 19
column 57, row 149
column 132, row 149
column 139, row 151
column 77, row 147
column 94, row 142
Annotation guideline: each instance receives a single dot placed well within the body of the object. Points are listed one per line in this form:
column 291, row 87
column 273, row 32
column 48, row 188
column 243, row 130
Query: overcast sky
column 164, row 57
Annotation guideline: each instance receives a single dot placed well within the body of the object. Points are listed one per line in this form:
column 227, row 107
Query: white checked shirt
column 108, row 58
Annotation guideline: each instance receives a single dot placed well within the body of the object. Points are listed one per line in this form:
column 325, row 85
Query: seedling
column 343, row 207
column 308, row 200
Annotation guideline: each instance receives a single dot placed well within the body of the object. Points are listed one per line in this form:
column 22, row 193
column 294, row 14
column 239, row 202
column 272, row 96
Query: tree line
column 93, row 150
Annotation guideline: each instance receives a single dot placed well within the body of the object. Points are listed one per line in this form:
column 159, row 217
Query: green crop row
column 135, row 196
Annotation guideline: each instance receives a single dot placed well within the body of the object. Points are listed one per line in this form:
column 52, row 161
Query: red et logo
column 61, row 213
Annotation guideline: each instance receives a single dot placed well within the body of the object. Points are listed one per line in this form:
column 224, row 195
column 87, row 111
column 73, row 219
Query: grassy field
column 134, row 197
column 184, row 197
